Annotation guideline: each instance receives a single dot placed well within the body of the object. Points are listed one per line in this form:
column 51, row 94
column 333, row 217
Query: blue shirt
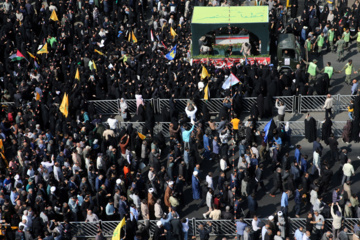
column 206, row 142
column 354, row 88
column 297, row 155
column 110, row 209
column 240, row 227
column 297, row 196
column 298, row 234
column 13, row 196
column 284, row 200
column 186, row 134
column 278, row 140
column 303, row 165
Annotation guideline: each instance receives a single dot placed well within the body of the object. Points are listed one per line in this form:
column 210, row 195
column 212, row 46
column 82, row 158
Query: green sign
column 250, row 14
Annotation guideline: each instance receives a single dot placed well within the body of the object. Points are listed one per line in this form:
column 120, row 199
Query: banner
column 229, row 62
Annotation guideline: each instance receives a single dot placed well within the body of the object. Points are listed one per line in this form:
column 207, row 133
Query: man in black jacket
column 19, row 235
column 176, row 228
column 278, row 183
column 159, row 233
column 205, row 233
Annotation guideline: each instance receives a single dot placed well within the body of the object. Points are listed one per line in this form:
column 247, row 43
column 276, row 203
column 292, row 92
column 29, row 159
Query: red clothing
column 123, row 146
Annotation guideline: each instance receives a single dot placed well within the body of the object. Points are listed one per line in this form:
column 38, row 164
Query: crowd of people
column 81, row 167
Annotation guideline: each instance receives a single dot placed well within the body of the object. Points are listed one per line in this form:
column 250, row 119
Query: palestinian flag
column 17, row 57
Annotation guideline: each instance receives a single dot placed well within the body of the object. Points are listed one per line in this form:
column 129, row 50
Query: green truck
column 288, row 52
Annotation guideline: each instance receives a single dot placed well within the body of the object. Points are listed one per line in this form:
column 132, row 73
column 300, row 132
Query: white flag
column 230, row 81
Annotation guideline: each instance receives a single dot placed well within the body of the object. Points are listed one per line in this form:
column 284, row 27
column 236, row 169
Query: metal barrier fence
column 297, row 127
column 219, row 227
column 293, row 104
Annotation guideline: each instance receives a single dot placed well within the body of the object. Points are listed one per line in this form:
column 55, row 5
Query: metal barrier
column 106, row 107
column 297, row 127
column 219, row 227
column 293, row 104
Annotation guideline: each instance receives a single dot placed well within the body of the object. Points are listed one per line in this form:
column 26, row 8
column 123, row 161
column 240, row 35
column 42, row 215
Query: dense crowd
column 81, row 167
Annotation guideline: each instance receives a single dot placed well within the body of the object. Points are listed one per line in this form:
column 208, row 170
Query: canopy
column 253, row 18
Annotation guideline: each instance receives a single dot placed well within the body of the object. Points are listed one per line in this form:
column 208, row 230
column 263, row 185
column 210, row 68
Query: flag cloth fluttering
column 134, row 39
column 43, row 49
column 152, row 35
column 206, row 92
column 54, row 16
column 204, row 73
column 230, row 81
column 64, row 107
column 77, row 75
column 17, row 56
column 172, row 32
column 32, row 56
column 117, row 231
column 171, row 55
column 2, row 152
column 51, row 41
column 141, row 136
column 97, row 51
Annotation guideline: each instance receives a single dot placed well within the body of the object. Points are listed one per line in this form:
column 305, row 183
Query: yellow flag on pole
column 134, row 39
column 43, row 50
column 97, row 51
column 77, row 75
column 204, row 73
column 141, row 136
column 2, row 146
column 37, row 98
column 32, row 56
column 94, row 66
column 117, row 231
column 172, row 32
column 54, row 16
column 206, row 92
column 2, row 152
column 64, row 107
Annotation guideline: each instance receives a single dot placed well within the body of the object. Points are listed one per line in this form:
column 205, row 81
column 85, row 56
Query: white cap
column 95, row 141
column 271, row 218
column 171, row 183
column 280, row 213
column 118, row 181
column 151, row 190
column 53, row 189
column 195, row 173
column 159, row 223
column 17, row 177
column 110, row 147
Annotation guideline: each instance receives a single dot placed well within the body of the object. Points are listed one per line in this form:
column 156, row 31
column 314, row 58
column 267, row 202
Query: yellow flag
column 64, row 107
column 206, row 92
column 77, row 75
column 97, row 51
column 32, row 56
column 133, row 37
column 117, row 231
column 1, row 146
column 204, row 73
column 37, row 98
column 43, row 50
column 141, row 136
column 172, row 32
column 54, row 16
column 94, row 66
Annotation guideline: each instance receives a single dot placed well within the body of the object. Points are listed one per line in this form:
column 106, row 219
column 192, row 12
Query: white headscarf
column 123, row 105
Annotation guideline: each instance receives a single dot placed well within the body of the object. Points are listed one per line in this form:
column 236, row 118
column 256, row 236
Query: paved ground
column 267, row 204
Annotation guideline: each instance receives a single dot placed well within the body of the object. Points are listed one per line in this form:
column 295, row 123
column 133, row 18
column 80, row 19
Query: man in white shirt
column 255, row 227
column 191, row 111
column 348, row 170
column 328, row 105
column 49, row 165
column 112, row 122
